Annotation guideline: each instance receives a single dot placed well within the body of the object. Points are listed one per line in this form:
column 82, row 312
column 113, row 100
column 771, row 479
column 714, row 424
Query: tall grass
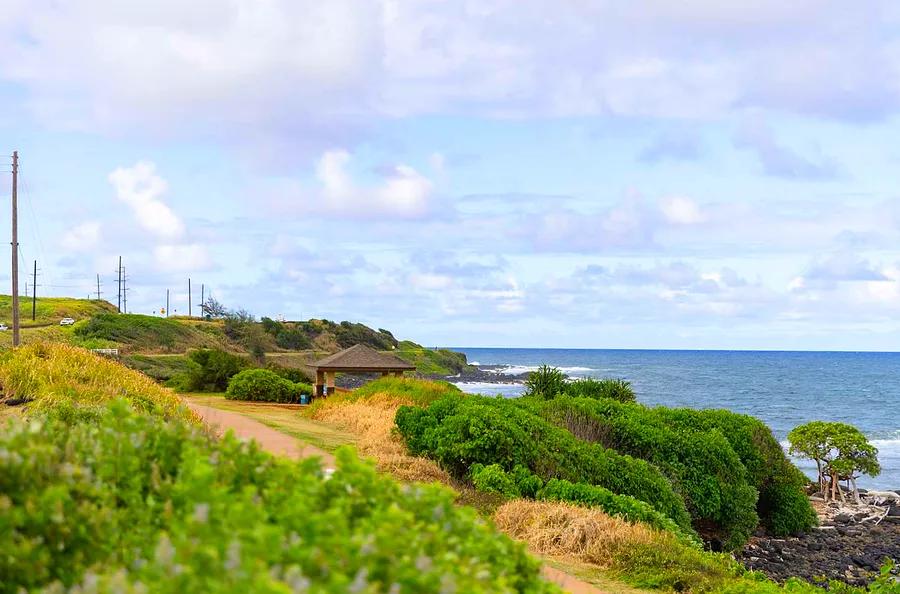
column 633, row 552
column 47, row 375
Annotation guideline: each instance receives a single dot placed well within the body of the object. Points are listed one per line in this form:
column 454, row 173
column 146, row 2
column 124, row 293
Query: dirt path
column 275, row 442
column 271, row 440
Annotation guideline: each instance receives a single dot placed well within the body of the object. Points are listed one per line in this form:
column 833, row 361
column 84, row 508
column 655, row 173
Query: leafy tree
column 840, row 451
column 547, row 382
column 209, row 370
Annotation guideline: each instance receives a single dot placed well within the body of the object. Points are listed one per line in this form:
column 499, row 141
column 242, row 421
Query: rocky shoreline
column 850, row 545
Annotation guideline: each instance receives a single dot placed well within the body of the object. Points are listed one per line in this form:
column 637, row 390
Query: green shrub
column 588, row 387
column 209, row 370
column 292, row 339
column 131, row 503
column 262, row 385
column 493, row 479
column 778, row 481
column 547, row 382
column 702, row 465
column 459, row 432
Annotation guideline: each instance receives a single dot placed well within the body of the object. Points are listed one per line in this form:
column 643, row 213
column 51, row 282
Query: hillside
column 152, row 342
column 50, row 310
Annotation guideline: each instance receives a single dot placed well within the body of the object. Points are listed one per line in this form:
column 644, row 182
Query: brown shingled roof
column 361, row 358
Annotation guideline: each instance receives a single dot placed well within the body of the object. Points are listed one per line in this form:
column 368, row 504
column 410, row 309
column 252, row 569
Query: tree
column 213, row 309
column 841, row 452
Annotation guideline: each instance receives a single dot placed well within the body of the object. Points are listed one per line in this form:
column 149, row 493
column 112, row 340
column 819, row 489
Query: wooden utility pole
column 98, row 286
column 189, row 297
column 15, row 248
column 34, row 293
column 119, row 298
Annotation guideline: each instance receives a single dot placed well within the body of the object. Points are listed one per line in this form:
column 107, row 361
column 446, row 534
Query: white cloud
column 308, row 71
column 402, row 193
column 182, row 257
column 681, row 210
column 141, row 188
column 83, row 237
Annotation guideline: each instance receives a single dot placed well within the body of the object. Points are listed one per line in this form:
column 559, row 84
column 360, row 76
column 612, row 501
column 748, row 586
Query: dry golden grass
column 372, row 420
column 567, row 531
column 48, row 374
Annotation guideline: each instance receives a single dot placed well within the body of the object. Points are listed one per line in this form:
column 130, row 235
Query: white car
column 3, row 327
column 66, row 322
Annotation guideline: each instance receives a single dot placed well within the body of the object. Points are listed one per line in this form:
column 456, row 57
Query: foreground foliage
column 45, row 375
column 150, row 505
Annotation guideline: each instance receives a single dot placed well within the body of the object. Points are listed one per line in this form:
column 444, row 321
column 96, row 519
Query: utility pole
column 189, row 297
column 202, row 297
column 119, row 299
column 167, row 303
column 15, row 248
column 34, row 293
column 98, row 286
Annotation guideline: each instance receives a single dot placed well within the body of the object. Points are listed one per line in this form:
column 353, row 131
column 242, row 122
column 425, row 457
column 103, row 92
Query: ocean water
column 783, row 389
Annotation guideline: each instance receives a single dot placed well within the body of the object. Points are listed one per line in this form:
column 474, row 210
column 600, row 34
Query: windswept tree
column 213, row 309
column 840, row 451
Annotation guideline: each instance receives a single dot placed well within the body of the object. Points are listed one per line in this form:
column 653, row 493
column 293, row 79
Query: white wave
column 520, row 369
column 491, row 388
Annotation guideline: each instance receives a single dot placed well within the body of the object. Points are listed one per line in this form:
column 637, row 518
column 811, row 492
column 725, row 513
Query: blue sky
column 492, row 173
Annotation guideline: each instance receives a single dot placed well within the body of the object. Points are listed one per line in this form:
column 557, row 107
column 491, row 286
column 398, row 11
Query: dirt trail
column 271, row 440
column 275, row 442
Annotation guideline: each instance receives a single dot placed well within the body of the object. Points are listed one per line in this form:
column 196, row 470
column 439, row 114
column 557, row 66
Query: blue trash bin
column 304, row 398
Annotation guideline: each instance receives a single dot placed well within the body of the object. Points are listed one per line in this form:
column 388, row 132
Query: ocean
column 783, row 389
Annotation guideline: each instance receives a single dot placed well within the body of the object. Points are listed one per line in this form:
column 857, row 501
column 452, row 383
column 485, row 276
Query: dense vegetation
column 143, row 333
column 717, row 471
column 132, row 503
column 262, row 385
column 209, row 370
column 460, row 432
column 704, row 465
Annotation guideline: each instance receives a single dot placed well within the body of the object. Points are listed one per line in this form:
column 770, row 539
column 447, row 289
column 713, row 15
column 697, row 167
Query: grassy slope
column 50, row 310
column 431, row 361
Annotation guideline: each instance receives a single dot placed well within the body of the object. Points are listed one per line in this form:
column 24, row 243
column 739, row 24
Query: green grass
column 50, row 310
column 162, row 368
column 146, row 333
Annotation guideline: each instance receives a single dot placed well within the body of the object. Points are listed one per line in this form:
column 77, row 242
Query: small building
column 357, row 359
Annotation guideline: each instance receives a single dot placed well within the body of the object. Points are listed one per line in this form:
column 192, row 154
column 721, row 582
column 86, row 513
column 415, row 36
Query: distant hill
column 142, row 337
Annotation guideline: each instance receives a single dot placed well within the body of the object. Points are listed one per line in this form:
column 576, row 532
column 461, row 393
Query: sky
column 643, row 174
